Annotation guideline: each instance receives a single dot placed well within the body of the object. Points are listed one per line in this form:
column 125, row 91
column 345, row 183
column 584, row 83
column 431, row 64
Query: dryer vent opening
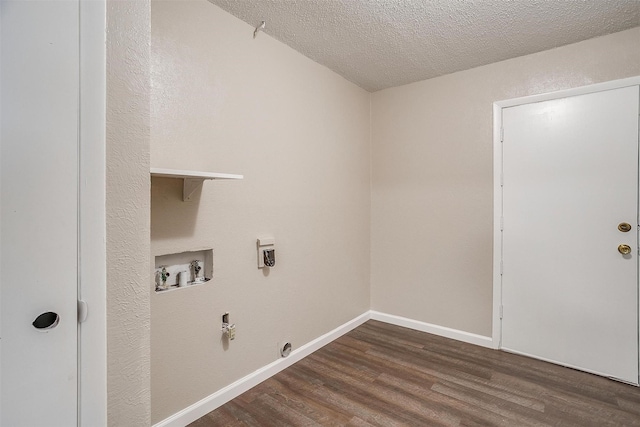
column 285, row 349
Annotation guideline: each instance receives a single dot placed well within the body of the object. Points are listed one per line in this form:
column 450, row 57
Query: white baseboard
column 442, row 331
column 222, row 396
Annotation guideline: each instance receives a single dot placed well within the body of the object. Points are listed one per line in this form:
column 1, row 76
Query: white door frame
column 92, row 334
column 92, row 273
column 497, row 182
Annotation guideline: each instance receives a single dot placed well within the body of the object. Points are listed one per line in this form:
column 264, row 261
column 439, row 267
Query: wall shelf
column 191, row 179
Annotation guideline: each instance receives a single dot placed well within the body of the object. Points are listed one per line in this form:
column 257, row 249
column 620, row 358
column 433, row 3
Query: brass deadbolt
column 624, row 249
column 624, row 227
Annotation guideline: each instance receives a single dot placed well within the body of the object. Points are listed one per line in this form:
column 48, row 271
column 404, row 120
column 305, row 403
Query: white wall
column 224, row 102
column 300, row 135
column 127, row 211
column 432, row 177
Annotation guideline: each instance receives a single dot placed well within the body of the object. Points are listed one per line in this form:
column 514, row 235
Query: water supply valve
column 198, row 273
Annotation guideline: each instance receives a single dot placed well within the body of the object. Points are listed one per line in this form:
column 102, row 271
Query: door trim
column 92, row 334
column 497, row 182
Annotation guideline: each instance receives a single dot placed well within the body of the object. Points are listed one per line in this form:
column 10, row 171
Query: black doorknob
column 45, row 321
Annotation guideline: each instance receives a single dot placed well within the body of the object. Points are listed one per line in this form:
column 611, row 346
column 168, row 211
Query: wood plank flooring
column 385, row 375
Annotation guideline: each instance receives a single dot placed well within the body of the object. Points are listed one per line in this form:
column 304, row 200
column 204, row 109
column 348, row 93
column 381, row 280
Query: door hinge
column 502, row 134
column 501, row 179
column 501, row 311
column 83, row 311
column 501, row 267
column 501, row 223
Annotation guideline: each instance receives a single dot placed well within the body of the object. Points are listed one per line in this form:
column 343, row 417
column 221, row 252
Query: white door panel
column 570, row 177
column 39, row 222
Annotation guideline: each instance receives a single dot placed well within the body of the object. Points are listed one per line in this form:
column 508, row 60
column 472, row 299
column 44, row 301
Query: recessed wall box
column 189, row 268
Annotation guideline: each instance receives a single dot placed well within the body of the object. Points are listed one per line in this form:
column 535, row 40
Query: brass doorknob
column 624, row 249
column 624, row 227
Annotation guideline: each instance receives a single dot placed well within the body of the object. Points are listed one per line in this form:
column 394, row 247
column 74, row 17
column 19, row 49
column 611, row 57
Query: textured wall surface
column 127, row 211
column 224, row 102
column 381, row 44
column 432, row 177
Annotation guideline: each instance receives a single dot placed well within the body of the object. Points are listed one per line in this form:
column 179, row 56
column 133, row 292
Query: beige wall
column 432, row 177
column 224, row 102
column 127, row 211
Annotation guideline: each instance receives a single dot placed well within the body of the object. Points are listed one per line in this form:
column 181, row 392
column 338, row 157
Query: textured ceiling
column 383, row 43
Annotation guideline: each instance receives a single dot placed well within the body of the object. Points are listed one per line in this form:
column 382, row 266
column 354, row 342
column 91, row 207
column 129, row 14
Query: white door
column 39, row 77
column 570, row 174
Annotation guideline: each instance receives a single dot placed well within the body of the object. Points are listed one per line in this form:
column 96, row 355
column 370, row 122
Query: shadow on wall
column 170, row 216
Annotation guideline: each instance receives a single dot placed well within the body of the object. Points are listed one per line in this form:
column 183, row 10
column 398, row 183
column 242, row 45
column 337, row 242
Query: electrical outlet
column 231, row 331
column 228, row 328
column 266, row 251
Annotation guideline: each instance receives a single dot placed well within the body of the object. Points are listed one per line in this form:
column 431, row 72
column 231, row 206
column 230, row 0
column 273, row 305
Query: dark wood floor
column 384, row 375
